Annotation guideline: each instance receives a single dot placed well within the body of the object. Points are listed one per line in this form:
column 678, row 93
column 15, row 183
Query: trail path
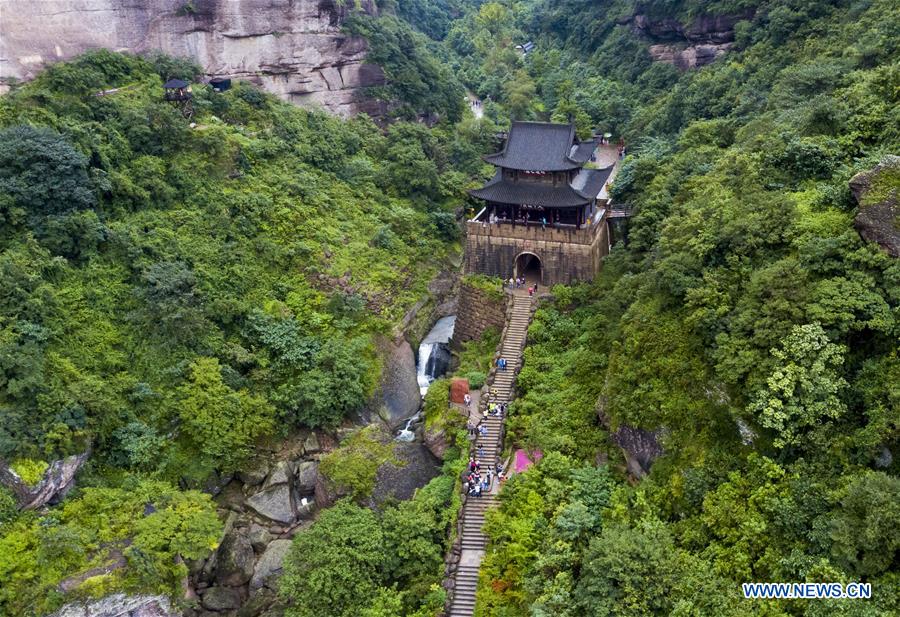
column 473, row 540
column 475, row 105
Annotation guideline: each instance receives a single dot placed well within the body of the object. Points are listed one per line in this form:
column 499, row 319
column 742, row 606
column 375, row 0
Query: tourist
column 482, row 430
column 467, row 400
column 480, row 452
column 535, row 287
column 530, row 290
column 543, row 223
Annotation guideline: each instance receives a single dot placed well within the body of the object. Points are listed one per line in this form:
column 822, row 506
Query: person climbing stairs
column 473, row 541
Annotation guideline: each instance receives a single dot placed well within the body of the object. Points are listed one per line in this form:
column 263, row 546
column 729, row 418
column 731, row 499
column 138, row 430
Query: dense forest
column 176, row 294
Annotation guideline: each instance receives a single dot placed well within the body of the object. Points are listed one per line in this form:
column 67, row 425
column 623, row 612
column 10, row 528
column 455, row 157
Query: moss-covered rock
column 877, row 191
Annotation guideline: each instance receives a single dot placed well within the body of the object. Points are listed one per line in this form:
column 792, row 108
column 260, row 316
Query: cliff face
column 688, row 46
column 292, row 48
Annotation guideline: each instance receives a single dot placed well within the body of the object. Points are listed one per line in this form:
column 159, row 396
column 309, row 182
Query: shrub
column 492, row 285
column 352, row 467
column 30, row 470
column 8, row 507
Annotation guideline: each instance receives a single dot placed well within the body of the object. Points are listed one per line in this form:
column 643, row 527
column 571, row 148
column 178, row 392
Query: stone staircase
column 472, row 540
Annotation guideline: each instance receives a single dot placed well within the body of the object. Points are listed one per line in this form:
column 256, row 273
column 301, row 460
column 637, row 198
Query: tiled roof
column 500, row 191
column 585, row 187
column 588, row 182
column 581, row 153
column 540, row 146
column 176, row 83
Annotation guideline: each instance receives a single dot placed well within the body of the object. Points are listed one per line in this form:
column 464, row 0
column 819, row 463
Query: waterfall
column 406, row 433
column 434, row 353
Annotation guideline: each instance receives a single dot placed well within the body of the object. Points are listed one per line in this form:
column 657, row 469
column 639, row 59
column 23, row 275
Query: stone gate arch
column 529, row 265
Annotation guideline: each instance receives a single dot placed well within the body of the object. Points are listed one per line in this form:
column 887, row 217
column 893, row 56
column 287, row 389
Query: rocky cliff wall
column 691, row 45
column 292, row 48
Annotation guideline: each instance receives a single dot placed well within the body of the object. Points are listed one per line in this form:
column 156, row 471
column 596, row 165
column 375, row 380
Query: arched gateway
column 528, row 265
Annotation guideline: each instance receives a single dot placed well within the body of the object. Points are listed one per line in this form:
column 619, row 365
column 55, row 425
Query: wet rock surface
column 417, row 467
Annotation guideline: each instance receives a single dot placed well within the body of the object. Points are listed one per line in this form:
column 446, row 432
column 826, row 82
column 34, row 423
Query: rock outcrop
column 877, row 192
column 690, row 45
column 120, row 605
column 292, row 48
column 57, row 481
column 398, row 396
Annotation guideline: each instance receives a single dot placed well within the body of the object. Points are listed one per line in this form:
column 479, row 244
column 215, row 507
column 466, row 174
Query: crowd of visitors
column 478, row 482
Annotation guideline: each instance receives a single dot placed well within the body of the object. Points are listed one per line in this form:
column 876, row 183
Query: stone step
column 476, row 508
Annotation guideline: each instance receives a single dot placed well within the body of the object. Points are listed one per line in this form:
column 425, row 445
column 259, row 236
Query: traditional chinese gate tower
column 542, row 218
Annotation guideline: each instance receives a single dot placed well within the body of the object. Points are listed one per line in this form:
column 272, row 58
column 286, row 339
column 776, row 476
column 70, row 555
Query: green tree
column 220, row 423
column 520, row 93
column 865, row 529
column 335, row 567
column 41, row 174
column 351, row 468
column 802, row 391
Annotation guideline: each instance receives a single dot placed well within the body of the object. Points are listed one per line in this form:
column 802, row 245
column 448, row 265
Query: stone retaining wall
column 478, row 310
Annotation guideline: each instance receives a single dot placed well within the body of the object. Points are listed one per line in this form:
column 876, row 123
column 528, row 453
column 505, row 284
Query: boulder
column 416, row 468
column 311, row 445
column 255, row 474
column 640, row 447
column 270, row 563
column 259, row 537
column 275, row 503
column 232, row 497
column 281, row 474
column 305, row 477
column 398, row 397
column 436, row 441
column 259, row 603
column 221, row 599
column 216, row 482
column 234, row 559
